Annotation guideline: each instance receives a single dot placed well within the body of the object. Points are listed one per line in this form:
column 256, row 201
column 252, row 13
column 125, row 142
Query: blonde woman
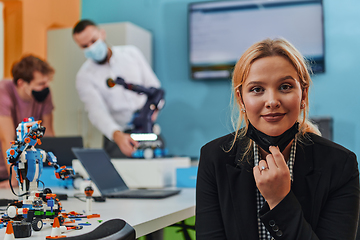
column 275, row 178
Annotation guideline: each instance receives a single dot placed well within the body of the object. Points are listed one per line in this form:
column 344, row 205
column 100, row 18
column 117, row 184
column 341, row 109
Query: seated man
column 27, row 95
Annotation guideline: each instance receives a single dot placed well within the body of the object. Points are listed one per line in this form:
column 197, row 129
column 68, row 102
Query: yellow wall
column 26, row 23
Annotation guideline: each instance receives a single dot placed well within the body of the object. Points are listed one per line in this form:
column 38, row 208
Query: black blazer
column 323, row 202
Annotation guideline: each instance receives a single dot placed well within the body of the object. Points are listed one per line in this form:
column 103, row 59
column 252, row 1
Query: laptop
column 61, row 148
column 107, row 179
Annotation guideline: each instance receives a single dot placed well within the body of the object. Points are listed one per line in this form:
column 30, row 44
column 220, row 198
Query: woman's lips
column 273, row 117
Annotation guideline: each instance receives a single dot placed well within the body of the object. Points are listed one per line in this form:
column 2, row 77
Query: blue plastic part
column 31, row 163
column 186, row 177
column 49, row 179
column 158, row 153
column 52, row 159
column 84, row 224
column 138, row 154
column 51, row 202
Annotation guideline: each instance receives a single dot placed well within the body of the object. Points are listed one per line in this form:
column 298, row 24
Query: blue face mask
column 97, row 51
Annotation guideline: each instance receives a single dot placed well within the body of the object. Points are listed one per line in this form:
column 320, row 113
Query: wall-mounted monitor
column 220, row 32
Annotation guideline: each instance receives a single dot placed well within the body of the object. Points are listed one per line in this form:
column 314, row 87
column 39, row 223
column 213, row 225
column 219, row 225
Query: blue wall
column 197, row 112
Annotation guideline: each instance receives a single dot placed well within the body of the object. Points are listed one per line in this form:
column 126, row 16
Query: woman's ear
column 239, row 98
column 303, row 98
column 304, row 94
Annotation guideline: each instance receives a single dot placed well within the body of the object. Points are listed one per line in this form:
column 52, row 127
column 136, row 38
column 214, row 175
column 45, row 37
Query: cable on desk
column 78, row 195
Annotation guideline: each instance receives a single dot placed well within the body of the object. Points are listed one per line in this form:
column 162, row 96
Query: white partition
column 143, row 173
column 70, row 118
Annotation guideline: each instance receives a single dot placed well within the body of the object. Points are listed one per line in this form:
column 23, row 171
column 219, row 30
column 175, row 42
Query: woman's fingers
column 272, row 177
column 263, row 166
column 277, row 158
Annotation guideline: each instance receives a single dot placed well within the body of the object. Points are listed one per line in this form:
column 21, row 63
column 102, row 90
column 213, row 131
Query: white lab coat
column 111, row 109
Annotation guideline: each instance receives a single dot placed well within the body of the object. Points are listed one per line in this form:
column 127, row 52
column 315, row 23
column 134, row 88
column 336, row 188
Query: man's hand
column 272, row 177
column 126, row 144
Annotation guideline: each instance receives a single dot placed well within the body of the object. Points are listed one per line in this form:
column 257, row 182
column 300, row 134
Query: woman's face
column 271, row 95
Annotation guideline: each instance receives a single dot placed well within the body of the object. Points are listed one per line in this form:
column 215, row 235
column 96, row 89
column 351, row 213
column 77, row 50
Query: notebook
column 61, row 148
column 109, row 182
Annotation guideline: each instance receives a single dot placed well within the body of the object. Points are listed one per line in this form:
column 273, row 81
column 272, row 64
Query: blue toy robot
column 34, row 206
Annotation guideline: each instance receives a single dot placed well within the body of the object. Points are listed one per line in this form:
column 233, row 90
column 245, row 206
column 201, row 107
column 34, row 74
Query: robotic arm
column 155, row 101
column 150, row 145
column 60, row 172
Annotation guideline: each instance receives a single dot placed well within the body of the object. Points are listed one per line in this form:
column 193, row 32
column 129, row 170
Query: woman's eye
column 285, row 87
column 256, row 89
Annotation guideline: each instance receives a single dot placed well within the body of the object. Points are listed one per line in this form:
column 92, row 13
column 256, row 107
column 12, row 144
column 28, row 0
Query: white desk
column 145, row 215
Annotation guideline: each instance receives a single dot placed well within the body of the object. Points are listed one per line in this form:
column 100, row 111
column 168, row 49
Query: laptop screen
column 61, row 148
column 100, row 169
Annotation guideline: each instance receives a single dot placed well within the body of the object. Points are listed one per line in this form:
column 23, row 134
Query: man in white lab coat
column 111, row 109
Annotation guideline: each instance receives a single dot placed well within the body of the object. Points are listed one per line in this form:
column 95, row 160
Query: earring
column 302, row 105
column 243, row 110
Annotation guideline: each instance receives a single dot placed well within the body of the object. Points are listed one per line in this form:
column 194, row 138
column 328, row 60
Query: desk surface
column 145, row 215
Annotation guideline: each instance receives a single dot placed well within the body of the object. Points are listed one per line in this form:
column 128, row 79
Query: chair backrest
column 325, row 125
column 114, row 229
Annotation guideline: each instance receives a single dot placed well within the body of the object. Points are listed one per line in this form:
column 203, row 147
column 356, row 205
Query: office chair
column 184, row 229
column 114, row 229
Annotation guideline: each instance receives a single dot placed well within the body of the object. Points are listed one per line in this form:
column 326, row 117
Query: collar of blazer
column 242, row 188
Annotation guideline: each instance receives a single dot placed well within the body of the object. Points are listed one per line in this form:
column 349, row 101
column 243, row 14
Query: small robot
column 33, row 206
column 143, row 128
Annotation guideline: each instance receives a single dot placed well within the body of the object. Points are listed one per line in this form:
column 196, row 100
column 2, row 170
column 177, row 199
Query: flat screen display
column 220, row 32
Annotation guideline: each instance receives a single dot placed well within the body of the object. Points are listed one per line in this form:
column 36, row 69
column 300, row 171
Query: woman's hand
column 272, row 177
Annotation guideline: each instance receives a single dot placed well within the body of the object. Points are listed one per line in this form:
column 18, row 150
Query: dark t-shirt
column 12, row 105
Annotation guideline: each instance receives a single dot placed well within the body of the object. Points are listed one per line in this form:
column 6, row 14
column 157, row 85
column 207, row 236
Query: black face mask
column 265, row 141
column 40, row 96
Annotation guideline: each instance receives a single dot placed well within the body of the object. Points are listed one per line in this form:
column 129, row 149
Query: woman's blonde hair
column 267, row 48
